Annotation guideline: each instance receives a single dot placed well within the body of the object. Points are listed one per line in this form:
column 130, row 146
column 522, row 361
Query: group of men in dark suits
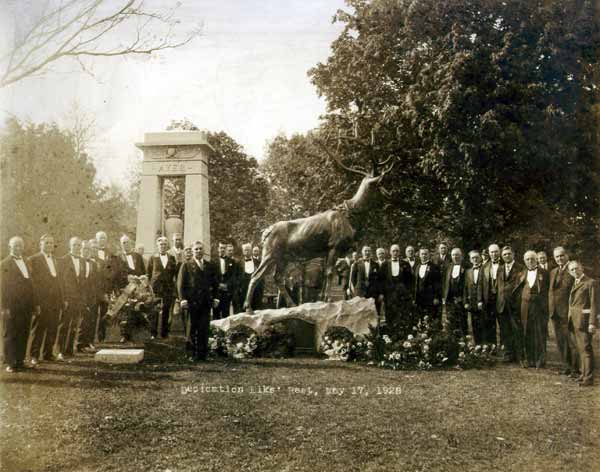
column 498, row 295
column 62, row 303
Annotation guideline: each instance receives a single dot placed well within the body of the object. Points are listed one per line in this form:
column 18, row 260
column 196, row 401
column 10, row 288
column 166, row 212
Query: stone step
column 120, row 356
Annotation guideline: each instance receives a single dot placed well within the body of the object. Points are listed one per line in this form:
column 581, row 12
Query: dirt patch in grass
column 84, row 416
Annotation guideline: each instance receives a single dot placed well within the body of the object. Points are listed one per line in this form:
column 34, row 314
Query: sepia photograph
column 299, row 235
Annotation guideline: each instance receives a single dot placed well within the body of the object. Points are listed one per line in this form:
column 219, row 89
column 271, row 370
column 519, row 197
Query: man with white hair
column 491, row 269
column 474, row 296
column 247, row 267
column 131, row 262
column 453, row 286
column 561, row 284
column 396, row 276
column 16, row 304
column 367, row 280
column 48, row 296
column 532, row 294
column 108, row 269
column 583, row 310
column 72, row 278
column 162, row 273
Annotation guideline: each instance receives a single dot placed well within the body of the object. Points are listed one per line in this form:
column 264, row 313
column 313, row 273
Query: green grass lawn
column 83, row 416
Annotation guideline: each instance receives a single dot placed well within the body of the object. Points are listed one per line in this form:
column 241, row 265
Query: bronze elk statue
column 328, row 234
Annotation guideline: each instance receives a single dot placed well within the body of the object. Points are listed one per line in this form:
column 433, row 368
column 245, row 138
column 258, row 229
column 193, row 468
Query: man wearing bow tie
column 16, row 304
column 531, row 293
column 131, row 262
column 162, row 272
column 507, row 278
column 412, row 263
column 197, row 287
column 225, row 274
column 396, row 278
column 491, row 269
column 247, row 267
column 367, row 279
column 583, row 312
column 428, row 286
column 72, row 269
column 442, row 258
column 91, row 296
column 108, row 272
column 561, row 284
column 474, row 296
column 48, row 300
column 453, row 288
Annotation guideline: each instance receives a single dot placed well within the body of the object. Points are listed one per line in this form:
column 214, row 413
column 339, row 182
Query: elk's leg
column 265, row 265
column 329, row 274
column 279, row 278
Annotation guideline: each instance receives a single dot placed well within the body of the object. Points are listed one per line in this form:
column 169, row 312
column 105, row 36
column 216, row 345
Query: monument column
column 174, row 154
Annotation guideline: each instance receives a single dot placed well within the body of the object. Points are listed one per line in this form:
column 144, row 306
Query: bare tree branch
column 89, row 28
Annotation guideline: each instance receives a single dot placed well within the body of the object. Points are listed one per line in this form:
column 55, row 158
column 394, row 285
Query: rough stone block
column 120, row 356
column 356, row 315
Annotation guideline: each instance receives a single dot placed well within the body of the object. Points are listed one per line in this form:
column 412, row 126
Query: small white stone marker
column 120, row 356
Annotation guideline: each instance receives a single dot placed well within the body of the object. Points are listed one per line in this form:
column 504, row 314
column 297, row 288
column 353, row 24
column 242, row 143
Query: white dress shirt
column 77, row 265
column 199, row 263
column 455, row 271
column 508, row 267
column 222, row 261
column 412, row 263
column 249, row 266
column 87, row 269
column 22, row 266
column 101, row 254
column 476, row 273
column 164, row 260
column 395, row 268
column 130, row 263
column 422, row 270
column 531, row 277
column 495, row 266
column 367, row 268
column 51, row 266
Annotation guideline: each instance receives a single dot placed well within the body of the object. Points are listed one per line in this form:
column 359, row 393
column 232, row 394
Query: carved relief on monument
column 154, row 153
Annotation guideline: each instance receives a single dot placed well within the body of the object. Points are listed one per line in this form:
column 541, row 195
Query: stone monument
column 174, row 154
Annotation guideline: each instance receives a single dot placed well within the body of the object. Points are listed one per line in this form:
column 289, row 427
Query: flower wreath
column 241, row 342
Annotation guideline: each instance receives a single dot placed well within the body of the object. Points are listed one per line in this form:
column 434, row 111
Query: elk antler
column 339, row 162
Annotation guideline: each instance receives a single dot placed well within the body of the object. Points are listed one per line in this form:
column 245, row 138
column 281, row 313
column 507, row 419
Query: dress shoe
column 9, row 369
column 60, row 357
column 122, row 340
column 33, row 362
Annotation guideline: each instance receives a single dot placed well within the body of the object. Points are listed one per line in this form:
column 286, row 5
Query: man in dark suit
column 412, row 262
column 543, row 262
column 531, row 293
column 108, row 274
column 260, row 286
column 226, row 273
column 442, row 258
column 247, row 267
column 48, row 300
column 131, row 262
column 453, row 287
column 561, row 284
column 396, row 280
column 367, row 280
column 235, row 281
column 490, row 271
column 162, row 273
column 583, row 310
column 91, row 296
column 72, row 279
column 474, row 296
column 16, row 304
column 197, row 286
column 428, row 287
column 507, row 277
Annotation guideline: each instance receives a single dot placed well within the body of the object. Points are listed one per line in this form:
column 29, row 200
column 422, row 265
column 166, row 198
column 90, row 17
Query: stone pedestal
column 356, row 315
column 174, row 154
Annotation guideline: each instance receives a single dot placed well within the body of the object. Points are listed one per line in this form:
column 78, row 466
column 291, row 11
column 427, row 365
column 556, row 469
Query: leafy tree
column 488, row 107
column 49, row 186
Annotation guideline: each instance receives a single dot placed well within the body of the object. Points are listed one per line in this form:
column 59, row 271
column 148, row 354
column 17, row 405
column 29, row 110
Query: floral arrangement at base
column 474, row 356
column 276, row 341
column 337, row 342
column 216, row 342
column 241, row 342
